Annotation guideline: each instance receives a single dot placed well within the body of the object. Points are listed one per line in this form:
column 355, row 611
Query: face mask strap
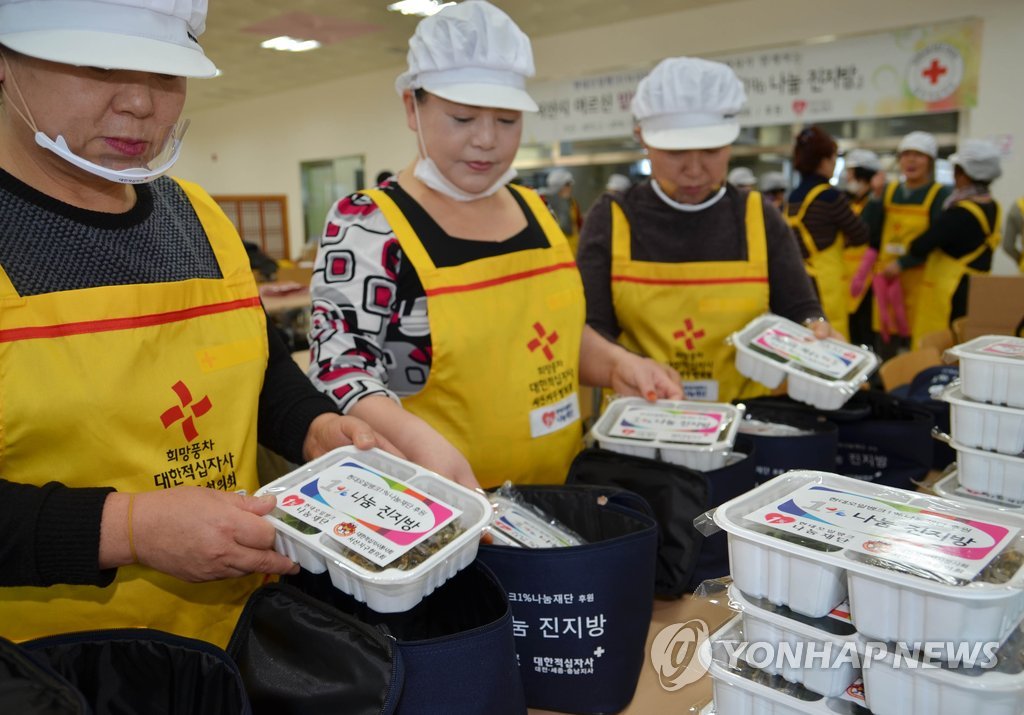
column 29, row 120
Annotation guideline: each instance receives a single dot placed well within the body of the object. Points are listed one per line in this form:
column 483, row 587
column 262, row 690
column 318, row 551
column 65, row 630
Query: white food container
column 950, row 487
column 900, row 688
column 767, row 623
column 737, row 694
column 992, row 369
column 698, row 435
column 999, row 475
column 823, row 373
column 390, row 589
column 861, row 523
column 983, row 425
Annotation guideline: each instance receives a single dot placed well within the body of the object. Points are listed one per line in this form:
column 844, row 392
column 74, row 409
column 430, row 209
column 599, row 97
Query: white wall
column 258, row 144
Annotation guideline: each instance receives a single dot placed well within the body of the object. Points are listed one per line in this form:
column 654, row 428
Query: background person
column 899, row 212
column 959, row 244
column 564, row 205
column 447, row 309
column 619, row 183
column 773, row 185
column 137, row 364
column 860, row 167
column 742, row 178
column 1013, row 234
column 684, row 259
column 823, row 222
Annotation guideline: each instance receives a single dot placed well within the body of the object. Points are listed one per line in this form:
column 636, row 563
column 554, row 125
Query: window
column 262, row 220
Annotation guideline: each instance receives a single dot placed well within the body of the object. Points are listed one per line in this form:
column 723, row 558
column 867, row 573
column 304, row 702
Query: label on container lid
column 828, row 358
column 1008, row 348
column 924, row 540
column 528, row 530
column 372, row 514
column 855, row 692
column 669, row 425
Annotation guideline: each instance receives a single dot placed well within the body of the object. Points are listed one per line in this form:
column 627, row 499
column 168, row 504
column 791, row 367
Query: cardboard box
column 995, row 306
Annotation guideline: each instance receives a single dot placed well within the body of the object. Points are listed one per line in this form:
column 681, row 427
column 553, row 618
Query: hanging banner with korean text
column 918, row 70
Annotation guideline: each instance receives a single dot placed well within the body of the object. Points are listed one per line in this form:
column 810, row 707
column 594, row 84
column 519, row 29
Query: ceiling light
column 289, row 44
column 418, row 7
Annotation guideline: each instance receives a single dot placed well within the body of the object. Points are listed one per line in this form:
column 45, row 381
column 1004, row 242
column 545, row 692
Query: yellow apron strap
column 991, row 237
column 6, row 287
column 540, row 211
column 930, row 196
column 890, row 191
column 757, row 241
column 620, row 234
column 411, row 244
column 797, row 220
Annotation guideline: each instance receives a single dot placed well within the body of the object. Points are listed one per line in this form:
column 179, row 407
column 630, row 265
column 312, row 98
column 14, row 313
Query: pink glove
column 892, row 313
column 863, row 270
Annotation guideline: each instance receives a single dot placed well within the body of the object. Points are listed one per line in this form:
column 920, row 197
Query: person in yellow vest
column 564, row 205
column 137, row 368
column 823, row 222
column 898, row 213
column 1013, row 234
column 685, row 259
column 959, row 244
column 447, row 308
column 860, row 167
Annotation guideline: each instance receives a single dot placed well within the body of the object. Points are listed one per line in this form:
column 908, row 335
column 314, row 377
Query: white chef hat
column 774, row 181
column 689, row 103
column 618, row 182
column 979, row 159
column 862, row 159
column 471, row 53
column 558, row 178
column 144, row 35
column 741, row 176
column 919, row 141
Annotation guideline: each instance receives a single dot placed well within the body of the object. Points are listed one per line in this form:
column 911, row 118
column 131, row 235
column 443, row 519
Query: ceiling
column 359, row 36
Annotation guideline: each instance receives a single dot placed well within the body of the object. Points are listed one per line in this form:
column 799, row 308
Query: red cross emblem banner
column 928, row 68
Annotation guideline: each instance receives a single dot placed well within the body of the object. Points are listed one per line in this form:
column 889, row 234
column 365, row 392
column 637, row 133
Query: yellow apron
column 825, row 267
column 1020, row 205
column 681, row 313
column 505, row 333
column 144, row 387
column 942, row 275
column 852, row 256
column 902, row 224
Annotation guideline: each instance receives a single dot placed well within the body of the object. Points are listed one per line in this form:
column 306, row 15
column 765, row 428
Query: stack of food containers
column 698, row 435
column 388, row 531
column 987, row 421
column 823, row 373
column 933, row 586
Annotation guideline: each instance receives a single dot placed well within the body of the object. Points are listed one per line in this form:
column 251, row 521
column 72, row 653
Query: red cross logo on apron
column 176, row 413
column 688, row 335
column 544, row 341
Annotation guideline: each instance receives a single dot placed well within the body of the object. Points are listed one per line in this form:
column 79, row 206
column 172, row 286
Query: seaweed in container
column 294, row 522
column 407, row 561
column 800, row 366
column 999, row 571
column 797, row 539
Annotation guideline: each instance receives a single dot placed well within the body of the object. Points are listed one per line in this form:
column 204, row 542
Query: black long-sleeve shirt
column 160, row 239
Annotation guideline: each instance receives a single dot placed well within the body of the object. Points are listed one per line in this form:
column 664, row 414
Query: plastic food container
column 823, row 373
column 768, row 623
column 698, row 435
column 938, row 689
column 949, row 487
column 350, row 510
column 992, row 369
column 1001, row 476
column 515, row 524
column 916, row 568
column 984, row 425
column 741, row 689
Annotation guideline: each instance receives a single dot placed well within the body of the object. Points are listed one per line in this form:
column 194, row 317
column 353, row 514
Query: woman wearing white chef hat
column 684, row 259
column 447, row 309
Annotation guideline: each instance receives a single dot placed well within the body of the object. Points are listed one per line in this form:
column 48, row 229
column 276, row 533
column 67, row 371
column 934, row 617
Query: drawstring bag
column 882, row 439
column 922, row 391
column 674, row 495
column 456, row 646
column 581, row 613
column 137, row 670
column 814, row 448
column 299, row 655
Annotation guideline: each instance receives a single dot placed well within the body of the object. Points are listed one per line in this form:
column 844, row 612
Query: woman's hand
column 632, row 374
column 330, row 431
column 193, row 533
column 891, row 269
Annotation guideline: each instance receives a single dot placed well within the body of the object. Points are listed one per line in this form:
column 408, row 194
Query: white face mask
column 428, row 172
column 856, row 187
column 688, row 208
column 171, row 148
